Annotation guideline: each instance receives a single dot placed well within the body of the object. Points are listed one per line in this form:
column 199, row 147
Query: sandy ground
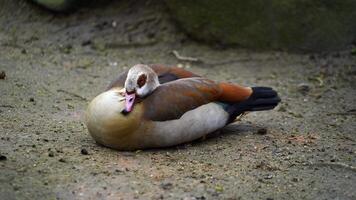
column 55, row 64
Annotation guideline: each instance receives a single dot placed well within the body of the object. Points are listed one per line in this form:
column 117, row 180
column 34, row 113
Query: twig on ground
column 130, row 45
column 349, row 112
column 217, row 63
column 72, row 94
column 335, row 164
column 7, row 106
column 184, row 58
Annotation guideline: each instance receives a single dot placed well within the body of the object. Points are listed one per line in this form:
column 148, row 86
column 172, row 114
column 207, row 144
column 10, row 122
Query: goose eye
column 141, row 81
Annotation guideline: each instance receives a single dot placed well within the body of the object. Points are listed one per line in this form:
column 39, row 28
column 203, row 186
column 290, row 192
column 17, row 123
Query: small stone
column 268, row 176
column 51, row 154
column 303, row 88
column 262, row 131
column 16, row 188
column 86, row 42
column 62, row 160
column 32, row 99
column 2, row 158
column 2, row 75
column 219, row 188
column 84, row 151
column 166, row 186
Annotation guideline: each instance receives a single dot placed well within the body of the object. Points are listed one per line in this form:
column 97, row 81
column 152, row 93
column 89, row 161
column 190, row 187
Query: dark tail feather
column 262, row 98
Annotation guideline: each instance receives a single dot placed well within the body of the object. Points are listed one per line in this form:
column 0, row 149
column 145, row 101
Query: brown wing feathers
column 172, row 100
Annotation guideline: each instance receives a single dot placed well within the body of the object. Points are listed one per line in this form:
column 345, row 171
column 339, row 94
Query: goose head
column 141, row 81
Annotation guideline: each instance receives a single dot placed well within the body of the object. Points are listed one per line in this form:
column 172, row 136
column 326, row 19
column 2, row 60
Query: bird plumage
column 181, row 107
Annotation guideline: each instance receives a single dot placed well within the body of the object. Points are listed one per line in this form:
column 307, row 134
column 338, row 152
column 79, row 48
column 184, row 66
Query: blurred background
column 317, row 25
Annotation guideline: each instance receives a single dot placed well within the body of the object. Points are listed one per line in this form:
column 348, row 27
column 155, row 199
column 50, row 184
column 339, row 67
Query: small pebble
column 51, row 154
column 32, row 99
column 2, row 75
column 86, row 42
column 268, row 176
column 2, row 157
column 166, row 186
column 262, row 131
column 84, row 151
column 62, row 160
column 303, row 88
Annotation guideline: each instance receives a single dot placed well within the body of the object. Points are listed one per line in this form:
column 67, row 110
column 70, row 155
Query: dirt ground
column 55, row 64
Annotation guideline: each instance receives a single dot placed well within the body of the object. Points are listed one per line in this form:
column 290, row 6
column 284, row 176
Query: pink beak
column 129, row 101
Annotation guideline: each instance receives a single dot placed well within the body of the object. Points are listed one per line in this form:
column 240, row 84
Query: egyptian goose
column 157, row 106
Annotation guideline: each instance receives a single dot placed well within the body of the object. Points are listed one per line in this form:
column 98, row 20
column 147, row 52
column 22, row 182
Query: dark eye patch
column 141, row 81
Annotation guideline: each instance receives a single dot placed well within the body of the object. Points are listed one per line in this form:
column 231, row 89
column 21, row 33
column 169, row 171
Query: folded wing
column 171, row 100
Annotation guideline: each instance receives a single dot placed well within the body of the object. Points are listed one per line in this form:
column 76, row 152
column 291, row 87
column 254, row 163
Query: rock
column 268, row 176
column 166, row 186
column 2, row 75
column 262, row 131
column 2, row 158
column 84, row 151
column 295, row 180
column 303, row 88
column 62, row 160
column 312, row 25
